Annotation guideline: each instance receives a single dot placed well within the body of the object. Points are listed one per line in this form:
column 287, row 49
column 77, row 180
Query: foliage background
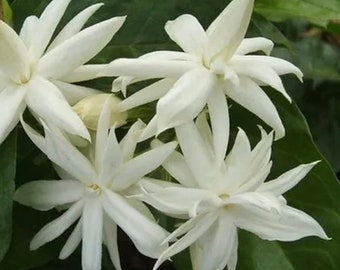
column 306, row 32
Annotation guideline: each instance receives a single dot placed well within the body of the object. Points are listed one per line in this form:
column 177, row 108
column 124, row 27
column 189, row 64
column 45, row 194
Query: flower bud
column 89, row 110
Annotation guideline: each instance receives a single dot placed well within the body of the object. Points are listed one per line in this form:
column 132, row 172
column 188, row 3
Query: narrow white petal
column 148, row 69
column 235, row 17
column 188, row 33
column 74, row 93
column 74, row 26
column 129, row 142
column 35, row 137
column 197, row 156
column 110, row 237
column 46, row 26
column 249, row 95
column 217, row 244
column 150, row 130
column 186, row 99
column 219, row 118
column 12, row 106
column 204, row 129
column 148, row 94
column 72, row 53
column 84, row 73
column 91, row 257
column 58, row 226
column 14, row 59
column 232, row 262
column 136, row 168
column 291, row 225
column 72, row 242
column 288, row 180
column 194, row 230
column 45, row 195
column 168, row 55
column 249, row 45
column 46, row 100
column 28, row 30
column 145, row 233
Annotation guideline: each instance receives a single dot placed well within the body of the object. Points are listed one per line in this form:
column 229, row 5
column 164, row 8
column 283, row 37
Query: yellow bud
column 89, row 110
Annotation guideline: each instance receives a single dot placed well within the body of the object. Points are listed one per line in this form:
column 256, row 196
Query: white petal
column 91, row 258
column 74, row 26
column 148, row 94
column 249, row 45
column 72, row 53
column 45, row 99
column 148, row 69
column 292, row 225
column 288, row 180
column 280, row 66
column 186, row 99
column 84, row 73
column 14, row 60
column 217, row 244
column 168, row 55
column 249, row 95
column 194, row 229
column 221, row 41
column 35, row 137
column 72, row 242
column 12, row 106
column 145, row 234
column 74, row 93
column 136, row 168
column 197, row 156
column 150, row 130
column 46, row 26
column 188, row 33
column 110, row 237
column 204, row 129
column 45, row 195
column 219, row 118
column 55, row 228
column 28, row 30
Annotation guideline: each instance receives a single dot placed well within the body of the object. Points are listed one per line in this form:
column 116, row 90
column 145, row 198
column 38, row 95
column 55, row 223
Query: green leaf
column 315, row 11
column 7, row 175
column 317, row 195
column 6, row 11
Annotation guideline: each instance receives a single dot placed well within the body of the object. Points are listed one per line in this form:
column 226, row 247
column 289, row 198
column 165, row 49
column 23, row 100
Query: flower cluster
column 104, row 184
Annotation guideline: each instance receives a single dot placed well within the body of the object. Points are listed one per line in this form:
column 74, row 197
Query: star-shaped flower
column 218, row 198
column 95, row 191
column 214, row 63
column 38, row 74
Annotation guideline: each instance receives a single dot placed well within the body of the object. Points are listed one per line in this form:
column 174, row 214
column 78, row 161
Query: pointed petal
column 74, row 93
column 46, row 26
column 35, row 137
column 249, row 95
column 204, row 129
column 249, row 45
column 188, row 33
column 145, row 234
column 45, row 99
column 129, row 142
column 133, row 170
column 28, row 30
column 148, row 69
column 84, row 73
column 71, row 54
column 91, row 258
column 287, row 180
column 220, row 239
column 45, row 195
column 72, row 242
column 186, row 99
column 14, row 60
column 235, row 17
column 148, row 94
column 12, row 106
column 291, row 225
column 110, row 236
column 150, row 130
column 219, row 118
column 74, row 26
column 58, row 226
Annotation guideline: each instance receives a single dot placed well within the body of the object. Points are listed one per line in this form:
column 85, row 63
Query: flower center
column 95, row 189
column 224, row 196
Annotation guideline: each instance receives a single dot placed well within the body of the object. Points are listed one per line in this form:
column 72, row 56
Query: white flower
column 221, row 197
column 39, row 75
column 214, row 63
column 95, row 191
